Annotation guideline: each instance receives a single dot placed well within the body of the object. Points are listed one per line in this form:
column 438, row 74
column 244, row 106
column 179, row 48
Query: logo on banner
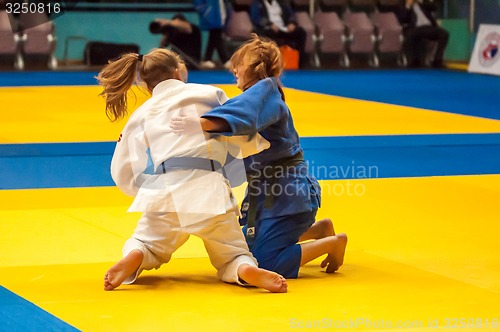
column 488, row 51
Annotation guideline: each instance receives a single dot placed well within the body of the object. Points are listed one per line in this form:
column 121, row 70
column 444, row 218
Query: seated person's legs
column 412, row 47
column 297, row 39
column 417, row 39
column 441, row 37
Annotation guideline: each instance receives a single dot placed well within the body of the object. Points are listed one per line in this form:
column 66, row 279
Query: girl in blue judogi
column 282, row 197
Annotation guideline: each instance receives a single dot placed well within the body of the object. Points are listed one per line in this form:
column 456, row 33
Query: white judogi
column 181, row 202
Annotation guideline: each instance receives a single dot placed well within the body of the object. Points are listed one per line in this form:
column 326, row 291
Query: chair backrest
column 390, row 32
column 331, row 28
column 8, row 43
column 29, row 20
column 357, row 21
column 38, row 30
column 386, row 21
column 6, row 22
column 327, row 21
column 239, row 25
column 306, row 23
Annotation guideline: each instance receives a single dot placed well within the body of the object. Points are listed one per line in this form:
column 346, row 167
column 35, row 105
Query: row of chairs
column 337, row 27
column 26, row 35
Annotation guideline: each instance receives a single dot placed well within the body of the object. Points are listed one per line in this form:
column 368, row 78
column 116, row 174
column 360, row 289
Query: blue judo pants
column 275, row 242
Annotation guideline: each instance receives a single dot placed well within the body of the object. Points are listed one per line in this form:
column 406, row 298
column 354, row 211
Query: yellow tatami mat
column 422, row 255
column 49, row 114
column 422, row 252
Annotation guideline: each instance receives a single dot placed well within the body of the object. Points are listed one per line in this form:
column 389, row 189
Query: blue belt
column 190, row 163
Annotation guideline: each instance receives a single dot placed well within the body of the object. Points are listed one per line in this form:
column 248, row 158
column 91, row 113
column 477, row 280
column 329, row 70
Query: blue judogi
column 287, row 196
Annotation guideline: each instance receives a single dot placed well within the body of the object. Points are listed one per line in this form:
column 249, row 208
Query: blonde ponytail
column 117, row 78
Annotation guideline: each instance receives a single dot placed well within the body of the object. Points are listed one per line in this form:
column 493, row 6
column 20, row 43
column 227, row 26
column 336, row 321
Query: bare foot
column 255, row 276
column 121, row 270
column 320, row 229
column 335, row 257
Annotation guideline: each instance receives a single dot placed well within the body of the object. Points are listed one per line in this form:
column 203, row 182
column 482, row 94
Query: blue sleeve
column 200, row 5
column 254, row 110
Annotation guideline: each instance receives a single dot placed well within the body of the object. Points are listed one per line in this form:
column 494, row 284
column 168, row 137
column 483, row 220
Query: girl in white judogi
column 178, row 181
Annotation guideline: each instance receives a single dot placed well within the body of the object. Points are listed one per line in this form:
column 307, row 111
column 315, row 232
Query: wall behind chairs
column 112, row 23
column 486, row 11
column 456, row 20
column 459, row 45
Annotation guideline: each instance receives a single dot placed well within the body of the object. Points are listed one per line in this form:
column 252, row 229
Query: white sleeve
column 129, row 161
column 221, row 95
column 247, row 146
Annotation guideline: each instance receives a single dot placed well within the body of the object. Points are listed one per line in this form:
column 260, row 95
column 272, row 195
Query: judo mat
column 413, row 179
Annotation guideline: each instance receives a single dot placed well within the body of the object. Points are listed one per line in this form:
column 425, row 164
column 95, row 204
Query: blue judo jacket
column 261, row 109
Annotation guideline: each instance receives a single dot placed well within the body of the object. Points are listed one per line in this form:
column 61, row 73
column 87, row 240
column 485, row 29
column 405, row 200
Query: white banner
column 485, row 58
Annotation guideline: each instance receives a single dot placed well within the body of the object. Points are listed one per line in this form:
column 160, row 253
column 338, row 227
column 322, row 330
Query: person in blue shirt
column 282, row 198
column 213, row 14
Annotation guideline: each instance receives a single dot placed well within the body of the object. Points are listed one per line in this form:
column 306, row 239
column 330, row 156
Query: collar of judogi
column 166, row 85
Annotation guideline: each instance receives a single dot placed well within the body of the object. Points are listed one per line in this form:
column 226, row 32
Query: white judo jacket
column 194, row 194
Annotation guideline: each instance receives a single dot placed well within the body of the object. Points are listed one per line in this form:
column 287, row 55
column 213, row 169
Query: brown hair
column 262, row 58
column 117, row 77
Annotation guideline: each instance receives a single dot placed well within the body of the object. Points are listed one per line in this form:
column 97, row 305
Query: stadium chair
column 389, row 35
column 239, row 26
column 331, row 30
column 301, row 10
column 10, row 42
column 40, row 38
column 361, row 29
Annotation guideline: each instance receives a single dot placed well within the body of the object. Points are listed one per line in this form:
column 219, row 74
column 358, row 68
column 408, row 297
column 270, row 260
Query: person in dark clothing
column 275, row 19
column 184, row 36
column 420, row 26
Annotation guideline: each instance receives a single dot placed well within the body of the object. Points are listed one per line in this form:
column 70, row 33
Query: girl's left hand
column 185, row 124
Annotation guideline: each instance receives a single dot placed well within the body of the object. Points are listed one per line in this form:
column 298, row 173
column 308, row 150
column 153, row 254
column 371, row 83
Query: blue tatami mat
column 17, row 314
column 441, row 90
column 60, row 165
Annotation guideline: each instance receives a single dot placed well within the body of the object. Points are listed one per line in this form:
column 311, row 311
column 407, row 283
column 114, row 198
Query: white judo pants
column 158, row 235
